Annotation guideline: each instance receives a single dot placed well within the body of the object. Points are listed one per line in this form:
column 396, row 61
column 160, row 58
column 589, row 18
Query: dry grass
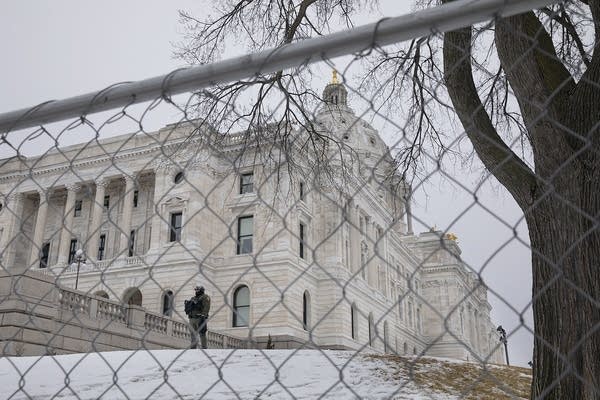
column 465, row 380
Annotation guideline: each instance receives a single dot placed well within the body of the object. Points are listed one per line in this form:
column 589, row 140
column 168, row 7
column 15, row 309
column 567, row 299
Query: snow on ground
column 245, row 374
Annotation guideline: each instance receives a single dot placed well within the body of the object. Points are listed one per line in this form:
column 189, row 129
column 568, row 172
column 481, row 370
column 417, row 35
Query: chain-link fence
column 282, row 184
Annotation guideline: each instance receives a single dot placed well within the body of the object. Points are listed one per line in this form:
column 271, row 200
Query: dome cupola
column 335, row 93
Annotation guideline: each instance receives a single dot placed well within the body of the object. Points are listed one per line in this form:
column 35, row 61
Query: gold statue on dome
column 334, row 78
column 451, row 236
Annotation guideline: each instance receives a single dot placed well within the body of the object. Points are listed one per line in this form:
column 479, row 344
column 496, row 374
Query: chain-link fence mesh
column 287, row 192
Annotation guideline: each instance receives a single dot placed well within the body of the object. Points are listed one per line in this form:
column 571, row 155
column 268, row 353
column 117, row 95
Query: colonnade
column 14, row 228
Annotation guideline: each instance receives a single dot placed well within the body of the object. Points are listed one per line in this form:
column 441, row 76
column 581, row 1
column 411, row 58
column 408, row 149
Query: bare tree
column 534, row 80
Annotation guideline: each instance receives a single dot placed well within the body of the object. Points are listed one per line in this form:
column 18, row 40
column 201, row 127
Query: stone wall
column 38, row 317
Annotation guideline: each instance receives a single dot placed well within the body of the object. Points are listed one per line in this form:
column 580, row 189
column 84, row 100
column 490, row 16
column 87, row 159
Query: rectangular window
column 106, row 202
column 72, row 250
column 401, row 309
column 302, row 239
column 101, row 247
column 44, row 255
column 136, row 194
column 247, row 183
column 245, row 233
column 353, row 322
column 131, row 243
column 175, row 228
column 78, row 206
column 347, row 254
column 302, row 191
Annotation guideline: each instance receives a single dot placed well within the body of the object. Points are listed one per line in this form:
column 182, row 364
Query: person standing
column 197, row 309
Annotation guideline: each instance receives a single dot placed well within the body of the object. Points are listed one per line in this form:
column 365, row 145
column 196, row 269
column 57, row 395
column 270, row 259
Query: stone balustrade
column 74, row 301
column 92, row 266
column 111, row 310
column 180, row 330
column 157, row 323
column 69, row 321
column 104, row 309
column 135, row 260
column 101, row 265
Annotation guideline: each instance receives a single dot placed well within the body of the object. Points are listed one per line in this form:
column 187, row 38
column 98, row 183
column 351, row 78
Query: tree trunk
column 563, row 211
column 565, row 246
column 560, row 201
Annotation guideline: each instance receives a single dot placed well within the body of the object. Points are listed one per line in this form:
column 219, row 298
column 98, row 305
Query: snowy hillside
column 273, row 374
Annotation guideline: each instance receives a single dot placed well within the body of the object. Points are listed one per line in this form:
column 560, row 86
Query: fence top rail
column 450, row 16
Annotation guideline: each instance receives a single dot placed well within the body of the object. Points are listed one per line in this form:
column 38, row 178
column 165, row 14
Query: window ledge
column 242, row 200
column 302, row 203
column 304, row 209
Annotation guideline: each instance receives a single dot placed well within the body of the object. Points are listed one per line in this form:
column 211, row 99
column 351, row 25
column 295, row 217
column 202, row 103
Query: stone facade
column 311, row 261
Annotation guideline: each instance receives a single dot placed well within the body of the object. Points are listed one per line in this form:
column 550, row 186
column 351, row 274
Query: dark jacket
column 200, row 306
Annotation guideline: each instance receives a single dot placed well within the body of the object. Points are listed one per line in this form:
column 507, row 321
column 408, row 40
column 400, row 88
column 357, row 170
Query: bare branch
column 498, row 158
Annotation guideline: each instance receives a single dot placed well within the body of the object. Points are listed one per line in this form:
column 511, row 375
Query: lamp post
column 504, row 341
column 79, row 257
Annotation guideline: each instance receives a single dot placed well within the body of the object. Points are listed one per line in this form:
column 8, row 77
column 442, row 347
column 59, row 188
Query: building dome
column 335, row 93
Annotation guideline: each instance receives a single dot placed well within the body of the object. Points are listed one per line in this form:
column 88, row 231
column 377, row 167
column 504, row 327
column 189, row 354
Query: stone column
column 157, row 222
column 14, row 210
column 409, row 222
column 67, row 229
column 144, row 191
column 354, row 238
column 97, row 211
column 372, row 273
column 470, row 325
column 38, row 234
column 386, row 263
column 477, row 341
column 125, row 225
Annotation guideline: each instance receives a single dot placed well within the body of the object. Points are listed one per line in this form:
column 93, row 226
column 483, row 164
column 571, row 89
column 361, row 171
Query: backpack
column 188, row 305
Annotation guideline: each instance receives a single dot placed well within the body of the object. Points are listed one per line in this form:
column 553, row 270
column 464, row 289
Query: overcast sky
column 60, row 48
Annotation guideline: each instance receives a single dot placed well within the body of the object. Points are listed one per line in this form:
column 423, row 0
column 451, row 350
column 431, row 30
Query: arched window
column 354, row 321
column 241, row 306
column 167, row 303
column 306, row 310
column 101, row 293
column 133, row 297
column 405, row 348
column 371, row 330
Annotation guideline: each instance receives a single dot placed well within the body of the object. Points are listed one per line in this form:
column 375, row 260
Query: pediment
column 175, row 201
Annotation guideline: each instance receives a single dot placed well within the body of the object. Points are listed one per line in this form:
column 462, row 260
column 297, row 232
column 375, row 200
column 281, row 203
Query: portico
column 98, row 216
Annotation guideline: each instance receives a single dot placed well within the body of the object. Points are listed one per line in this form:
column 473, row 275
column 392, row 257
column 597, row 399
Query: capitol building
column 311, row 256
